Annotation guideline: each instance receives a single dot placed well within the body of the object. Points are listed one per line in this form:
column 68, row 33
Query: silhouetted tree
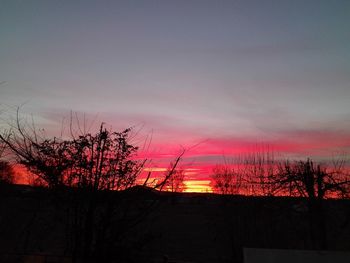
column 7, row 174
column 315, row 182
column 258, row 168
column 226, row 180
column 2, row 147
column 311, row 180
column 97, row 161
column 45, row 157
column 163, row 182
column 6, row 169
column 104, row 161
column 248, row 174
column 89, row 164
column 175, row 183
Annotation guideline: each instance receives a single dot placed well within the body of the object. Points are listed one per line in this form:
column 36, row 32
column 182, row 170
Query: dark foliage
column 7, row 173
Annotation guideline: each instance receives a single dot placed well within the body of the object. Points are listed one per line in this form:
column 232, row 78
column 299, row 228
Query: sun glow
column 193, row 181
column 201, row 186
column 154, row 169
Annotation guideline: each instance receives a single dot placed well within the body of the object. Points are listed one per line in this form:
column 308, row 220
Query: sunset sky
column 215, row 77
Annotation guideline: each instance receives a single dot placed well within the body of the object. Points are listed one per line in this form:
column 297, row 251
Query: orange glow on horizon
column 154, row 169
column 199, row 186
column 197, row 163
column 22, row 175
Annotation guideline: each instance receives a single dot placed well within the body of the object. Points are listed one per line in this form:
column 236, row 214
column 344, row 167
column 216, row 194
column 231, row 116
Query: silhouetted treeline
column 261, row 174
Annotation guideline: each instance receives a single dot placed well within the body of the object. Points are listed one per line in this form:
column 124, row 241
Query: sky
column 215, row 77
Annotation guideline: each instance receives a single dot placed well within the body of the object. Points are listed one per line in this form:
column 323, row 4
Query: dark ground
column 149, row 226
